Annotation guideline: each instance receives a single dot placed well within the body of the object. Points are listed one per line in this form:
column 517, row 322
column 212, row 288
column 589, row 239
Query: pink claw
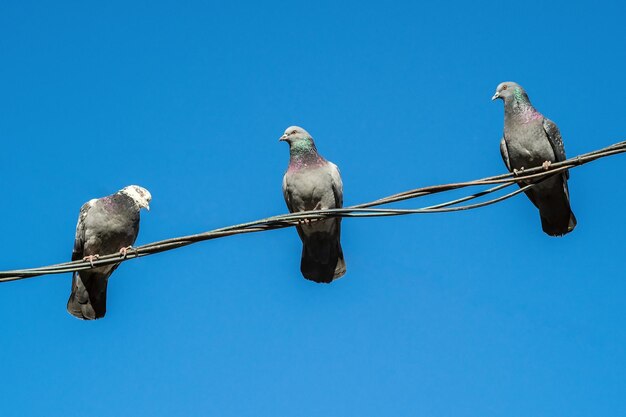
column 124, row 251
column 91, row 258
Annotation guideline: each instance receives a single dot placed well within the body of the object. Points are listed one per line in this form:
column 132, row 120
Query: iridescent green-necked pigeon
column 531, row 140
column 313, row 183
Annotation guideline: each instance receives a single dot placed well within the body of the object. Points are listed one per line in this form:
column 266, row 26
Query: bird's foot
column 124, row 251
column 518, row 172
column 91, row 258
column 304, row 221
column 546, row 165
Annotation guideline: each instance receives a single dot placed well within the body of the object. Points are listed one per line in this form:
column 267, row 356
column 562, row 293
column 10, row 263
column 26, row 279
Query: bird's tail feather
column 557, row 217
column 558, row 225
column 322, row 258
column 89, row 296
column 551, row 197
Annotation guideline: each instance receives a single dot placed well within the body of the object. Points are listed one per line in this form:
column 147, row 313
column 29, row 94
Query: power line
column 528, row 178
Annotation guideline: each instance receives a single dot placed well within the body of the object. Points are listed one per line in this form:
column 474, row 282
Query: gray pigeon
column 105, row 225
column 313, row 183
column 531, row 140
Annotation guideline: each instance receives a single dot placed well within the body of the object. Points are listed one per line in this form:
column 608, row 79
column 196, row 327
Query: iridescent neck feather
column 303, row 153
column 520, row 109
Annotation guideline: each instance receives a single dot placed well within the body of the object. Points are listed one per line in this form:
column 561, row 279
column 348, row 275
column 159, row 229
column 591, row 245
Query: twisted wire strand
column 526, row 179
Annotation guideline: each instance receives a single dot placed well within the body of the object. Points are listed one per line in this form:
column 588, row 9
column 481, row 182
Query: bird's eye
column 504, row 87
column 294, row 132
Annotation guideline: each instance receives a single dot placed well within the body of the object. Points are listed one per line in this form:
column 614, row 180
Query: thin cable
column 527, row 179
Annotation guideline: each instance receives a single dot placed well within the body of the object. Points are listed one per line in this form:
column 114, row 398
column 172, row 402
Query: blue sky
column 466, row 314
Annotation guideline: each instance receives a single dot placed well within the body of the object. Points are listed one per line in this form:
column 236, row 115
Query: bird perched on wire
column 313, row 183
column 531, row 140
column 105, row 226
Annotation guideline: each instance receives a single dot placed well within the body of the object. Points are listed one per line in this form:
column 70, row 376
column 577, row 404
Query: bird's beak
column 495, row 96
column 148, row 207
column 283, row 138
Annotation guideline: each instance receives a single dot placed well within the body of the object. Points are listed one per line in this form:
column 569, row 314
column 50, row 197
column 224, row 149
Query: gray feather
column 505, row 154
column 104, row 226
column 556, row 141
column 313, row 183
column 530, row 140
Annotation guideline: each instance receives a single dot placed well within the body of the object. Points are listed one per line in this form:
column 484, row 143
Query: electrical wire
column 526, row 180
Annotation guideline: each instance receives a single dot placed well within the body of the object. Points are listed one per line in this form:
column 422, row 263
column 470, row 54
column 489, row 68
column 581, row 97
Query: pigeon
column 105, row 225
column 313, row 183
column 531, row 140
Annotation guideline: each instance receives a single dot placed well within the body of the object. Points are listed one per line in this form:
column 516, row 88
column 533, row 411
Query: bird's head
column 140, row 195
column 295, row 135
column 510, row 90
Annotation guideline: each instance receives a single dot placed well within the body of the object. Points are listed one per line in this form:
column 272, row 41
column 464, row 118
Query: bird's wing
column 337, row 184
column 287, row 195
column 556, row 141
column 505, row 154
column 79, row 240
